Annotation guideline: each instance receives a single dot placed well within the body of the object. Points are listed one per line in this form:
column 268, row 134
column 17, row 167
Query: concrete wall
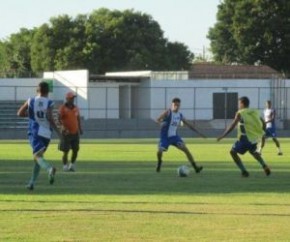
column 103, row 100
column 197, row 95
column 18, row 89
column 141, row 100
column 76, row 81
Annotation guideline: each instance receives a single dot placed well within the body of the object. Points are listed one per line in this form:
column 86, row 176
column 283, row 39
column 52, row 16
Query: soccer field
column 116, row 195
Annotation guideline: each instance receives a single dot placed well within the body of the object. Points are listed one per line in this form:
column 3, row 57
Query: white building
column 144, row 94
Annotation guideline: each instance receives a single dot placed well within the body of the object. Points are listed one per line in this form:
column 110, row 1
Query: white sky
column 186, row 21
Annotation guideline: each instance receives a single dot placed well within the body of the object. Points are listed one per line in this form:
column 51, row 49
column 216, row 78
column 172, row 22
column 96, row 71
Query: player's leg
column 163, row 146
column 181, row 146
column 64, row 146
column 35, row 173
column 277, row 143
column 262, row 145
column 238, row 147
column 259, row 158
column 65, row 160
column 39, row 148
column 75, row 145
column 159, row 159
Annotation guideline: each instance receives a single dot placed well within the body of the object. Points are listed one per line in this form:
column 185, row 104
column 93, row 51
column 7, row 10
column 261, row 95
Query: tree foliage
column 102, row 41
column 253, row 32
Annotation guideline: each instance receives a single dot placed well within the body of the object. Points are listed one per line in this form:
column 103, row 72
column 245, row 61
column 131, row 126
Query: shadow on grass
column 155, row 212
column 134, row 178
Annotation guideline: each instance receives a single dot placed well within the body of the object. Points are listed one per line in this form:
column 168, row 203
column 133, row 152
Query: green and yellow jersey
column 250, row 125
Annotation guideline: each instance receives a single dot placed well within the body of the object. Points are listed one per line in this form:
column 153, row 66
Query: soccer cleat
column 267, row 171
column 245, row 174
column 65, row 168
column 198, row 169
column 30, row 187
column 72, row 168
column 280, row 153
column 51, row 175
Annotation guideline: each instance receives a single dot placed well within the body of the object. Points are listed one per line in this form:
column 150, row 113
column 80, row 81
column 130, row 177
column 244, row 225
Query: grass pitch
column 115, row 195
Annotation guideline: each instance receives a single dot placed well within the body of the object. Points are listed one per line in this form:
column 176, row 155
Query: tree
column 179, row 56
column 42, row 52
column 102, row 41
column 4, row 63
column 15, row 54
column 253, row 32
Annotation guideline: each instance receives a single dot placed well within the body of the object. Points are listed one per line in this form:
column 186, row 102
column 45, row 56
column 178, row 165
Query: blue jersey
column 170, row 124
column 37, row 114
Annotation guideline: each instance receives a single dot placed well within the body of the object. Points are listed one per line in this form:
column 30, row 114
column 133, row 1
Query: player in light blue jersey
column 39, row 111
column 170, row 120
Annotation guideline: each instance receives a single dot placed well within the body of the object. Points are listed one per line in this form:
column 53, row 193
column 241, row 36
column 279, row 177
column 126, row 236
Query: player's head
column 175, row 105
column 69, row 97
column 43, row 88
column 268, row 104
column 244, row 102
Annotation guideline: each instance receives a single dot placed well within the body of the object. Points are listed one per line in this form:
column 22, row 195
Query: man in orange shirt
column 69, row 118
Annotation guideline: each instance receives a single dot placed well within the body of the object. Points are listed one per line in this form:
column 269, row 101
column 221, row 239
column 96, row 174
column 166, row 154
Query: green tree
column 253, row 32
column 4, row 63
column 179, row 56
column 102, row 41
column 15, row 54
column 42, row 50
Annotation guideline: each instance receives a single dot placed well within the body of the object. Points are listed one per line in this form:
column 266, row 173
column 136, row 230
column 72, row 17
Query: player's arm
column 51, row 120
column 273, row 114
column 231, row 127
column 22, row 111
column 263, row 124
column 79, row 124
column 160, row 119
column 190, row 126
column 60, row 117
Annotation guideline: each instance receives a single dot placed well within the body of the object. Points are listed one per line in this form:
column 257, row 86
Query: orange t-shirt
column 69, row 118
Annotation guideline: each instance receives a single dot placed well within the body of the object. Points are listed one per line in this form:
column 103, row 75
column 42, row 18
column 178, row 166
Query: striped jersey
column 171, row 123
column 37, row 114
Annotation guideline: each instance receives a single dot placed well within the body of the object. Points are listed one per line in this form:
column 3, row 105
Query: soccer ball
column 183, row 171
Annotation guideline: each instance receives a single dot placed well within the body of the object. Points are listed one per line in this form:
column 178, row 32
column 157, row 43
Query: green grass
column 115, row 195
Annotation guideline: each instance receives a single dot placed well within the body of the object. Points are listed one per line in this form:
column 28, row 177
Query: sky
column 185, row 21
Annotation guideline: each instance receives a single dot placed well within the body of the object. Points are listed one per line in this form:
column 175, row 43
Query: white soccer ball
column 183, row 171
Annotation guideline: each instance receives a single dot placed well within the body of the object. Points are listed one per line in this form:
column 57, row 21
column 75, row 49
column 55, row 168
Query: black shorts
column 70, row 141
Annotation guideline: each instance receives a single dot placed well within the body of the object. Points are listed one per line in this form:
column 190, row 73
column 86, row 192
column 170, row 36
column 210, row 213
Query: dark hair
column 269, row 102
column 43, row 88
column 245, row 101
column 176, row 100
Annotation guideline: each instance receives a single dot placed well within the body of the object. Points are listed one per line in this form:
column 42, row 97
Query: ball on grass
column 183, row 171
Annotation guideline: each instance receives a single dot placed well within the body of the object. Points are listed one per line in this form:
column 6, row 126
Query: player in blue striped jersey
column 39, row 112
column 170, row 120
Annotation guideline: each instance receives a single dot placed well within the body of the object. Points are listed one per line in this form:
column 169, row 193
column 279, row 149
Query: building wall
column 197, row 95
column 76, row 81
column 18, row 89
column 103, row 99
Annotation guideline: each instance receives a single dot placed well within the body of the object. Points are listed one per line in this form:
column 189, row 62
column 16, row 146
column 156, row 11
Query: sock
column 262, row 162
column 240, row 165
column 279, row 149
column 43, row 163
column 35, row 173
